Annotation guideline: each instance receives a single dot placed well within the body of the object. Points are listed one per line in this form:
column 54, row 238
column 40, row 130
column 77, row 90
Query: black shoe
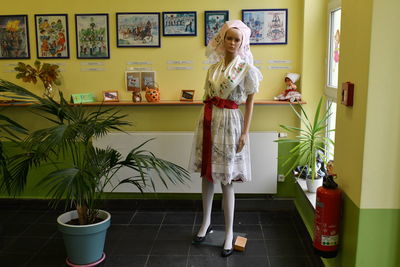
column 199, row 239
column 226, row 252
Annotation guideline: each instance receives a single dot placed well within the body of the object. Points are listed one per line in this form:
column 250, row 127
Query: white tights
column 228, row 203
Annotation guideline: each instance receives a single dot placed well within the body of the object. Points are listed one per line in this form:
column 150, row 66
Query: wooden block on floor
column 240, row 243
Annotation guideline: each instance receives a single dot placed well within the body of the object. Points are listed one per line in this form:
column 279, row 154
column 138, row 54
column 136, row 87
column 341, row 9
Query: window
column 331, row 105
column 334, row 48
column 333, row 54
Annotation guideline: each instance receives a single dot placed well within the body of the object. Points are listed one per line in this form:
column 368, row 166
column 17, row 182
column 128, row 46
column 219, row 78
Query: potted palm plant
column 81, row 183
column 310, row 145
column 9, row 130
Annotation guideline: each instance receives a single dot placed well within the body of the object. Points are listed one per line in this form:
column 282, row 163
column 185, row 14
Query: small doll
column 290, row 93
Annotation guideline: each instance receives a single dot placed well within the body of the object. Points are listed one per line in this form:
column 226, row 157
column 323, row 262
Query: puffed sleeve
column 252, row 80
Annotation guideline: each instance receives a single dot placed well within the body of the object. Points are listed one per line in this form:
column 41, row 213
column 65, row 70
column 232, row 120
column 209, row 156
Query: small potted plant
column 81, row 183
column 310, row 150
column 47, row 73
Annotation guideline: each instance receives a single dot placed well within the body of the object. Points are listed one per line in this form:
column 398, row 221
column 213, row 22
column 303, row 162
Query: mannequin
column 221, row 149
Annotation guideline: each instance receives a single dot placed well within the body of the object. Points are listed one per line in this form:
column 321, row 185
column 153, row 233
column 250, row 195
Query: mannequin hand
column 242, row 142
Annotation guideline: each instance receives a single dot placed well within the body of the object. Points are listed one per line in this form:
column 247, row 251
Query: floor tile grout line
column 155, row 239
column 193, row 232
column 133, row 216
column 40, row 250
column 265, row 243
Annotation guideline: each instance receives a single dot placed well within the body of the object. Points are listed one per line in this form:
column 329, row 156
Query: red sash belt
column 208, row 106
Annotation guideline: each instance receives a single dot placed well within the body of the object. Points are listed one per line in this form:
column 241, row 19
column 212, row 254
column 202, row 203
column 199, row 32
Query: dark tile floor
column 158, row 233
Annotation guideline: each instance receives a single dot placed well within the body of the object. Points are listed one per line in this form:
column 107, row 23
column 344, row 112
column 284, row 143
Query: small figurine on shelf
column 136, row 95
column 152, row 92
column 291, row 92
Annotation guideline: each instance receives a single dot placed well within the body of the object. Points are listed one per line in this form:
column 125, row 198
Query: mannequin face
column 232, row 41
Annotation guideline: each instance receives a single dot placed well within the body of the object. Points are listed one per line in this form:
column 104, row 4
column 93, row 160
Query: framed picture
column 187, row 95
column 52, row 36
column 14, row 37
column 110, row 96
column 213, row 21
column 180, row 23
column 92, row 38
column 268, row 26
column 138, row 30
column 148, row 78
column 132, row 81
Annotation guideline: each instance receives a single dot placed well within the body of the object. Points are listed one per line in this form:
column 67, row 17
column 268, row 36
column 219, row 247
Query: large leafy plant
column 80, row 183
column 9, row 130
column 310, row 142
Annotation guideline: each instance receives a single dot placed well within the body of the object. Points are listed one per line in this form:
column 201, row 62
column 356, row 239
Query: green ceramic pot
column 84, row 243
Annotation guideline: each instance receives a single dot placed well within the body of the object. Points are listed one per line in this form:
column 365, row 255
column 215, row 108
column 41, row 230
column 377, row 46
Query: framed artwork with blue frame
column 268, row 26
column 14, row 37
column 92, row 38
column 52, row 40
column 213, row 22
column 138, row 29
column 180, row 23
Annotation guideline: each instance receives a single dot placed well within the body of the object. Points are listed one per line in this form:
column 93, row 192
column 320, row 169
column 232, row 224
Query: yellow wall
column 314, row 50
column 350, row 121
column 156, row 118
column 381, row 181
column 367, row 134
column 172, row 48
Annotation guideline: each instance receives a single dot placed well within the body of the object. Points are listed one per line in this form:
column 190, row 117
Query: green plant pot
column 84, row 243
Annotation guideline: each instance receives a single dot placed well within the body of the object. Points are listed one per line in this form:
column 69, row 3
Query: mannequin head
column 233, row 41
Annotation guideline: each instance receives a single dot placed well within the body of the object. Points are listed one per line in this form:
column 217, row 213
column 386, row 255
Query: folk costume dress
column 225, row 89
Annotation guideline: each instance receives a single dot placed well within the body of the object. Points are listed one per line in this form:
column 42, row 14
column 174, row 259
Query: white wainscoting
column 176, row 147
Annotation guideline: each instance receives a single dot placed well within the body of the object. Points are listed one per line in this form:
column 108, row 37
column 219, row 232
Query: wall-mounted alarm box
column 347, row 94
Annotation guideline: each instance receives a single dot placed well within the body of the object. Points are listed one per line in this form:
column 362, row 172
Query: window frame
column 330, row 92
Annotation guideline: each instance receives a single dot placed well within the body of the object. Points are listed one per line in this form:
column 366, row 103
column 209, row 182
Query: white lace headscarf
column 215, row 49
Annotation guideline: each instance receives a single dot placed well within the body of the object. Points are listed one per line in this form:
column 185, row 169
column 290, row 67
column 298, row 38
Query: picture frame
column 213, row 22
column 92, row 36
column 133, row 81
column 14, row 37
column 268, row 26
column 147, row 78
column 180, row 23
column 110, row 96
column 52, row 40
column 138, row 29
column 187, row 95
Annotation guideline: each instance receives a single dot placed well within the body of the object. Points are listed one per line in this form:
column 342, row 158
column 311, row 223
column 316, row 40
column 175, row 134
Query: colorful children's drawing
column 92, row 39
column 52, row 36
column 179, row 23
column 268, row 26
column 213, row 23
column 138, row 30
column 14, row 37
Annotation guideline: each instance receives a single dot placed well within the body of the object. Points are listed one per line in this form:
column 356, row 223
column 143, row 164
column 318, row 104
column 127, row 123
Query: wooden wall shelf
column 161, row 103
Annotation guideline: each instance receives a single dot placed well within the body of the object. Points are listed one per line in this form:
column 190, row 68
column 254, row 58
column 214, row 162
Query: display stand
column 216, row 238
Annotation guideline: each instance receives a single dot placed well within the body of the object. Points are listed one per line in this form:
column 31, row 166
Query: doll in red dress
column 290, row 94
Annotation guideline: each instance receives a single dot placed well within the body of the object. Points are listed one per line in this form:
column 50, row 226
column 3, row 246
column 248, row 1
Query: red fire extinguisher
column 327, row 219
